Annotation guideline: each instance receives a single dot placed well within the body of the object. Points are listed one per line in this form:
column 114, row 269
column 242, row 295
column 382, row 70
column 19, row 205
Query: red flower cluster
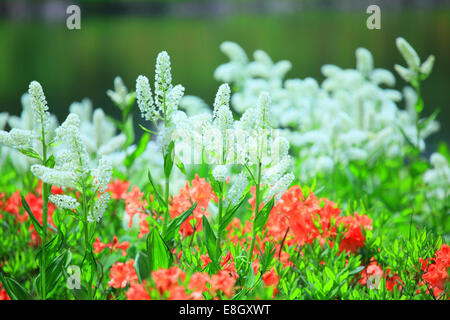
column 315, row 218
column 135, row 206
column 3, row 294
column 227, row 263
column 436, row 274
column 113, row 246
column 171, row 283
column 201, row 192
column 13, row 205
column 118, row 189
column 122, row 274
column 372, row 274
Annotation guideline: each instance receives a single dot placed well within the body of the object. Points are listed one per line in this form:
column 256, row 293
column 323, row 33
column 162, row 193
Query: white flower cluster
column 63, row 201
column 164, row 105
column 415, row 69
column 39, row 104
column 234, row 194
column 99, row 134
column 222, row 141
column 351, row 116
column 120, row 95
column 437, row 179
column 72, row 168
column 26, row 130
column 96, row 213
column 220, row 173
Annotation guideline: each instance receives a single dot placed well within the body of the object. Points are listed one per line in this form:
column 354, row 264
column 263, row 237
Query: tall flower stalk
column 72, row 170
column 40, row 108
column 34, row 144
column 223, row 121
column 161, row 110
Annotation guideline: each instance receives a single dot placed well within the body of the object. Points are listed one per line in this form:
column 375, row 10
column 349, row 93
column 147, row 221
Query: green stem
column 257, row 200
column 45, row 195
column 219, row 219
column 166, row 213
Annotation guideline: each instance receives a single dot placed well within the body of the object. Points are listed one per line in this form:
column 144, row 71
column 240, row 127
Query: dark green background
column 83, row 63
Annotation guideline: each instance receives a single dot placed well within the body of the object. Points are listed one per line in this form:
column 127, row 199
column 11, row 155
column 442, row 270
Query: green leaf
column 35, row 221
column 50, row 163
column 128, row 130
column 14, row 289
column 168, row 159
column 250, row 277
column 142, row 266
column 228, row 216
column 158, row 195
column 31, row 153
column 210, row 241
column 139, row 150
column 357, row 270
column 175, row 224
column 180, row 164
column 158, row 252
column 423, row 123
column 147, row 130
column 54, row 272
column 263, row 215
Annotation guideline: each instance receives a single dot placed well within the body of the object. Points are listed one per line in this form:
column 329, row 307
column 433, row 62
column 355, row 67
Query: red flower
column 13, row 205
column 201, row 192
column 118, row 189
column 135, row 206
column 122, row 274
column 227, row 263
column 437, row 272
column 114, row 246
column 224, row 282
column 270, row 278
column 166, row 279
column 137, row 291
column 3, row 294
column 198, row 281
column 371, row 275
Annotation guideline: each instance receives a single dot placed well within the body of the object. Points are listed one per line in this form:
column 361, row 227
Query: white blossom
column 64, row 201
column 96, row 213
column 120, row 95
column 234, row 194
column 163, row 79
column 55, row 177
column 280, row 187
column 409, row 54
column 17, row 139
column 102, row 174
column 220, row 173
column 145, row 99
column 38, row 103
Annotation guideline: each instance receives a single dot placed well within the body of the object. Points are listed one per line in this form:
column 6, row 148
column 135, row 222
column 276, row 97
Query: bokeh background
column 120, row 37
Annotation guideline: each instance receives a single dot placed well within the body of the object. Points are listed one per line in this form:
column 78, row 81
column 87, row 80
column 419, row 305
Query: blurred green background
column 124, row 37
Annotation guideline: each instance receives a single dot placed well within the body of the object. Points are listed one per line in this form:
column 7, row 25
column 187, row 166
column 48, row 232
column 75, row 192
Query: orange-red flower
column 113, row 246
column 224, row 282
column 135, row 206
column 122, row 274
column 436, row 275
column 201, row 192
column 3, row 294
column 118, row 189
column 137, row 291
column 166, row 279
